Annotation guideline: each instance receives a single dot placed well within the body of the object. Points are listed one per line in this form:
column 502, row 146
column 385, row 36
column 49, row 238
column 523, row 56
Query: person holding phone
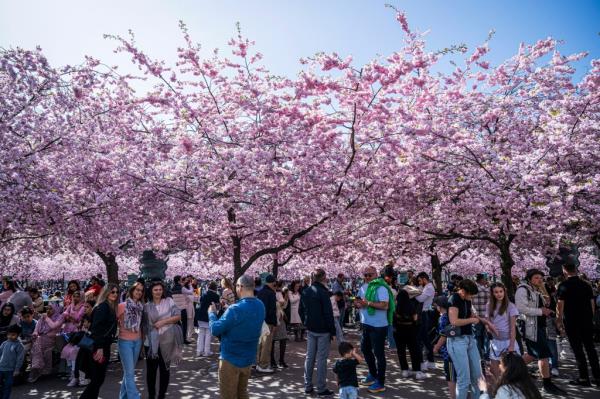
column 204, row 336
column 102, row 332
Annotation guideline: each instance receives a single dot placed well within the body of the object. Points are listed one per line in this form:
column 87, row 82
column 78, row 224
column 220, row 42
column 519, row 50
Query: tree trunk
column 112, row 267
column 436, row 273
column 506, row 264
column 275, row 271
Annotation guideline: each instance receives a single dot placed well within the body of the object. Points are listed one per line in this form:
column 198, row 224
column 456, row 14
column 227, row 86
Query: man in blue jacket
column 239, row 328
column 317, row 314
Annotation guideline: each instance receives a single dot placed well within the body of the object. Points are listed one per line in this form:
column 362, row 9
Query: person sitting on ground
column 345, row 370
column 515, row 381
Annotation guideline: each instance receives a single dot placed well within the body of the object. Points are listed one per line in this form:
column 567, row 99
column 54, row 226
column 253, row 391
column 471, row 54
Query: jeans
column 483, row 341
column 467, row 364
column 372, row 345
column 233, row 381
column 129, row 351
column 554, row 351
column 317, row 349
column 152, row 365
column 264, row 349
column 423, row 339
column 406, row 337
column 349, row 392
column 6, row 379
column 339, row 334
column 390, row 337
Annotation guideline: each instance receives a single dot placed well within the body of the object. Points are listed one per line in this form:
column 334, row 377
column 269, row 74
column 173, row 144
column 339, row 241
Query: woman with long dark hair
column 515, row 381
column 8, row 288
column 72, row 287
column 165, row 338
column 503, row 315
column 7, row 319
column 102, row 332
column 405, row 335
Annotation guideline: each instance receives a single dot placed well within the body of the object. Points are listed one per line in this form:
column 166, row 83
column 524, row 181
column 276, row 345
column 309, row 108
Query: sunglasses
column 114, row 292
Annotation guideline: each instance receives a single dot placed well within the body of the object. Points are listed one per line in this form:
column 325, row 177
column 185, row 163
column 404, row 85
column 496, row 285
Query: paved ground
column 194, row 378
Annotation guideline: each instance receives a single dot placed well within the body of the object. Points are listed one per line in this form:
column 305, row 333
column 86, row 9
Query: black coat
column 269, row 299
column 206, row 300
column 104, row 325
column 315, row 309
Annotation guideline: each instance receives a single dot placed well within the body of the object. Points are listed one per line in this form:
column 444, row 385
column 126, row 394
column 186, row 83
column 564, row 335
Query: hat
column 441, row 301
column 269, row 279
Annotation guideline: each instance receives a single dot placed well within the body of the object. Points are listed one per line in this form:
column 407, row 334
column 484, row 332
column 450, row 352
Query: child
column 27, row 325
column 503, row 315
column 78, row 376
column 441, row 305
column 12, row 354
column 345, row 369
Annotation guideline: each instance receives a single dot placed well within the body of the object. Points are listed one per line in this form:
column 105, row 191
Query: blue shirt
column 379, row 319
column 12, row 354
column 239, row 328
column 442, row 323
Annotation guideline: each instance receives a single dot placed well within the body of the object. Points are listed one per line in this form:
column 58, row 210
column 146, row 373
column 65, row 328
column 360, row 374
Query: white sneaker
column 405, row 373
column 430, row 366
column 555, row 373
column 419, row 375
column 73, row 382
column 264, row 370
column 207, row 354
column 424, row 366
column 83, row 382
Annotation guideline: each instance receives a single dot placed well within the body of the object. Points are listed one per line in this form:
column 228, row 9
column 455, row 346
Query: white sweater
column 505, row 392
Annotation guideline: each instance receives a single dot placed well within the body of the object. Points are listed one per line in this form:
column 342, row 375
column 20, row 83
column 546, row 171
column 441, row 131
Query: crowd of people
column 482, row 336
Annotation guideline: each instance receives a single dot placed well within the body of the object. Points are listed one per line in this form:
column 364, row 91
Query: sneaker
column 555, row 373
column 308, row 391
column 376, row 387
column 367, row 381
column 264, row 369
column 73, row 383
column 581, row 383
column 33, row 376
column 424, row 366
column 552, row 389
column 283, row 365
column 84, row 381
column 326, row 392
column 405, row 373
column 419, row 375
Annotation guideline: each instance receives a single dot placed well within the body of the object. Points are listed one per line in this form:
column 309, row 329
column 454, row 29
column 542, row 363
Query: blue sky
column 287, row 30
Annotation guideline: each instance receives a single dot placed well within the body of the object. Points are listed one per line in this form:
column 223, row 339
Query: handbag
column 86, row 343
column 451, row 331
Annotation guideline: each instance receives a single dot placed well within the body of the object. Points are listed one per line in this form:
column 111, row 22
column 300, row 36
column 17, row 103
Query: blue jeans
column 317, row 349
column 423, row 338
column 349, row 392
column 390, row 337
column 483, row 341
column 129, row 352
column 372, row 345
column 6, row 379
column 467, row 364
column 339, row 334
column 554, row 351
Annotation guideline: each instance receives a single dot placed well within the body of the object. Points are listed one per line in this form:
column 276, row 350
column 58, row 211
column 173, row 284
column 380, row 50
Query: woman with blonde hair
column 102, row 331
column 228, row 294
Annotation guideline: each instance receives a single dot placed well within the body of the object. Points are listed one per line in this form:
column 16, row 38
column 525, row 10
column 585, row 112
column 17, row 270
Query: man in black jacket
column 317, row 314
column 268, row 298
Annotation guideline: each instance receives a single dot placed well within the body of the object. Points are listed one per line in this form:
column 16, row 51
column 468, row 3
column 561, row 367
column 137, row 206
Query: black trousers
column 184, row 322
column 97, row 373
column 406, row 338
column 581, row 337
column 282, row 346
column 152, row 366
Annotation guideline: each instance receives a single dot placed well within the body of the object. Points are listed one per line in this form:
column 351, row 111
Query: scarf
column 371, row 296
column 168, row 338
column 133, row 315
